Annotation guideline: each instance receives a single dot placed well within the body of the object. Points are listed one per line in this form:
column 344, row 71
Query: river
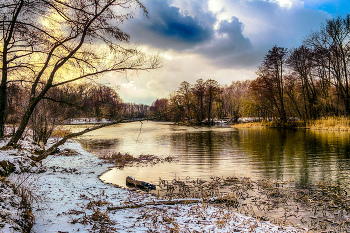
column 305, row 156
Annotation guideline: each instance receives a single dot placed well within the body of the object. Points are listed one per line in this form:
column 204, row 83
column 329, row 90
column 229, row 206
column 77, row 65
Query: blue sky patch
column 335, row 8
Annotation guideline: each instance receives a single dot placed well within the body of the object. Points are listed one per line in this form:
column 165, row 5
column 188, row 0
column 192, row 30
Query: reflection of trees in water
column 99, row 146
column 265, row 148
column 309, row 156
column 304, row 155
column 205, row 147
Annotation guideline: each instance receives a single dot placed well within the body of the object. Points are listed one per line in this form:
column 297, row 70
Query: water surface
column 305, row 156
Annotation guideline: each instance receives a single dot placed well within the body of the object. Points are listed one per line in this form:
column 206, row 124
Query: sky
column 224, row 40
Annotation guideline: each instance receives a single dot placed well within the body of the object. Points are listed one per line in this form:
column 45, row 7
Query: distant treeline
column 204, row 101
column 88, row 100
column 308, row 82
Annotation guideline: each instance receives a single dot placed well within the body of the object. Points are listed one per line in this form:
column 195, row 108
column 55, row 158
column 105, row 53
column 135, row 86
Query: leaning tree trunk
column 72, row 135
column 3, row 98
column 7, row 36
column 53, row 148
column 3, row 92
column 25, row 120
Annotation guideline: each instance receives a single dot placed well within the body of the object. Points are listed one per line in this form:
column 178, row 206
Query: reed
column 122, row 160
column 271, row 124
column 23, row 198
column 327, row 123
column 60, row 132
column 331, row 123
column 249, row 125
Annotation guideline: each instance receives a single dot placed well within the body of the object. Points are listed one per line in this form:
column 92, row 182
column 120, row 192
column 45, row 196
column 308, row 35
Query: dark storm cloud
column 170, row 23
column 167, row 27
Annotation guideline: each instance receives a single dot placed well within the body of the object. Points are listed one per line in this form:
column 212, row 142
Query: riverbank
column 329, row 123
column 321, row 207
column 67, row 196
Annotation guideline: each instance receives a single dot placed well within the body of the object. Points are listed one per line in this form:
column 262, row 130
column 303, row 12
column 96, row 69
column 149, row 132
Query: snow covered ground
column 69, row 197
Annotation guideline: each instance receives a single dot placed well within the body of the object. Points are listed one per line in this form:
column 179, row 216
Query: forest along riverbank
column 67, row 196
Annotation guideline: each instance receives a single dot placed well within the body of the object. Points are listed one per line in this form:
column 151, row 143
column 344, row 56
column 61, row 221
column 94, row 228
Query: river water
column 305, row 156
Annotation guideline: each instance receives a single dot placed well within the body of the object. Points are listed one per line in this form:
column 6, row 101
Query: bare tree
column 270, row 80
column 79, row 39
column 234, row 97
column 332, row 42
column 185, row 93
column 199, row 91
column 301, row 61
column 159, row 107
column 18, row 43
column 213, row 91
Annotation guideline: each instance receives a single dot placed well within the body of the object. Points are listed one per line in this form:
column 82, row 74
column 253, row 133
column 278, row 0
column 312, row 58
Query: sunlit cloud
column 129, row 85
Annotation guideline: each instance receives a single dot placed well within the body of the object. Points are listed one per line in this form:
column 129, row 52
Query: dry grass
column 321, row 207
column 331, row 123
column 118, row 158
column 249, row 125
column 27, row 198
column 67, row 152
column 98, row 219
column 270, row 124
column 60, row 132
column 23, row 199
column 122, row 160
column 328, row 123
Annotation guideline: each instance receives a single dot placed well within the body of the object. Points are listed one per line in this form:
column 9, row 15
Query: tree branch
column 73, row 135
column 63, row 102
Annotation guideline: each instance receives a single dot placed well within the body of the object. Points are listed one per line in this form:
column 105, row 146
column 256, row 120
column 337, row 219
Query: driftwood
column 139, row 184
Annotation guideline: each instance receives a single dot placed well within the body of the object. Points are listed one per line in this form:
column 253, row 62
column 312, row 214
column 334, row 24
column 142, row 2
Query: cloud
column 228, row 46
column 132, row 91
column 229, row 40
column 224, row 40
column 129, row 85
column 273, row 22
column 146, row 87
column 170, row 28
column 255, row 27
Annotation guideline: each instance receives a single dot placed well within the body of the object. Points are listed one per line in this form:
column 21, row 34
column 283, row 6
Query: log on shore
column 139, row 184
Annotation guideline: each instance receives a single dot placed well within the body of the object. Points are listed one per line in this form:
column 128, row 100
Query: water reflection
column 99, row 146
column 302, row 155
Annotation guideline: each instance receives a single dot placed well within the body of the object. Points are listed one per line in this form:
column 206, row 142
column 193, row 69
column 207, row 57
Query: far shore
column 328, row 124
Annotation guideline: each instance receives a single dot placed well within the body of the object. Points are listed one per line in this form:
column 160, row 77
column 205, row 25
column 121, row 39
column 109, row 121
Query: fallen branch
column 72, row 135
column 53, row 148
column 155, row 203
